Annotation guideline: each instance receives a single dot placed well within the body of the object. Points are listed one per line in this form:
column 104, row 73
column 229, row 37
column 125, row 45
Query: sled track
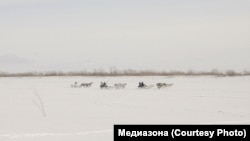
column 33, row 135
column 230, row 122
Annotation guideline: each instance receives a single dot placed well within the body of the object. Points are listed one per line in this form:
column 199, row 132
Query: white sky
column 39, row 35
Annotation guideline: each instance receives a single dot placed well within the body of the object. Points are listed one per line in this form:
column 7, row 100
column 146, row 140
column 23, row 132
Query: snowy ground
column 89, row 113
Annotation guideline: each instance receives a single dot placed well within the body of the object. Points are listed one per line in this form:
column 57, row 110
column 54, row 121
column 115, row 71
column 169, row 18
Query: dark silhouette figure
column 141, row 85
column 103, row 85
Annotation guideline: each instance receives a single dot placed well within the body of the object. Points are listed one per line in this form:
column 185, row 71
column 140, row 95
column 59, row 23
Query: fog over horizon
column 75, row 35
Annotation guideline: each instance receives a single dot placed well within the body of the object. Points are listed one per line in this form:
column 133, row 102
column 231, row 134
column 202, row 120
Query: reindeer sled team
column 104, row 85
column 76, row 85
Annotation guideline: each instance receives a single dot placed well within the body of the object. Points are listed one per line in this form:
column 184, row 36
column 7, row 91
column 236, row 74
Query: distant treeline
column 115, row 72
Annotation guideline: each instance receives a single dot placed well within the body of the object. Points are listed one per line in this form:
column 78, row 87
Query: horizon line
column 126, row 72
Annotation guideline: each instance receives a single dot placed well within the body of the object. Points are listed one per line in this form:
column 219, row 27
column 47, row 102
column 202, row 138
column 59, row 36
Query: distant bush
column 231, row 73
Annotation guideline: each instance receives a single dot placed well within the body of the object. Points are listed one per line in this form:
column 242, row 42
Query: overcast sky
column 42, row 35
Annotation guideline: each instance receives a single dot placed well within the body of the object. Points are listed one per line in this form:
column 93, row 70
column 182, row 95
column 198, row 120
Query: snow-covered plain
column 89, row 113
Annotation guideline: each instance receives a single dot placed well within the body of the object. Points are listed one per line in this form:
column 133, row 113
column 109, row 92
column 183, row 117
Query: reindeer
column 163, row 85
column 89, row 84
column 120, row 85
column 86, row 84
